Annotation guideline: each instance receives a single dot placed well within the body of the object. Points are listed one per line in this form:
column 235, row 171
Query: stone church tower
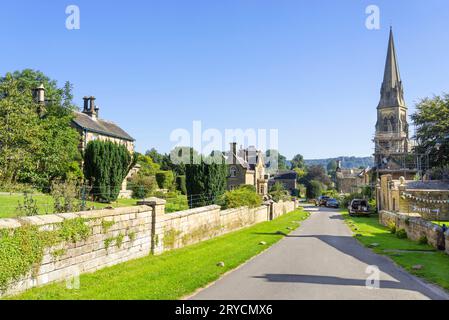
column 392, row 148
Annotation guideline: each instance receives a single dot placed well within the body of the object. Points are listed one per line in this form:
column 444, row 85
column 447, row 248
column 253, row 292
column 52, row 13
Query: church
column 393, row 154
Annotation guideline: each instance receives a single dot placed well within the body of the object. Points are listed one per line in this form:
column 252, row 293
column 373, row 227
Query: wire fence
column 82, row 198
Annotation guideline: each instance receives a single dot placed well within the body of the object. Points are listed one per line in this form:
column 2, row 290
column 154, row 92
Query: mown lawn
column 404, row 252
column 9, row 204
column 176, row 273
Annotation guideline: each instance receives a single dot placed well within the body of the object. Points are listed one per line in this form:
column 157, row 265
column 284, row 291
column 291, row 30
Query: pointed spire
column 392, row 94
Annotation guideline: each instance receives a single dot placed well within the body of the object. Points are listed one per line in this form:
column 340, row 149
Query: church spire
column 392, row 94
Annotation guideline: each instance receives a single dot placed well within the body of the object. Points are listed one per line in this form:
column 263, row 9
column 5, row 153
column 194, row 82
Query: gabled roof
column 285, row 175
column 99, row 126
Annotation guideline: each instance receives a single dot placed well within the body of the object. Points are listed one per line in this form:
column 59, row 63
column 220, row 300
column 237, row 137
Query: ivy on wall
column 22, row 249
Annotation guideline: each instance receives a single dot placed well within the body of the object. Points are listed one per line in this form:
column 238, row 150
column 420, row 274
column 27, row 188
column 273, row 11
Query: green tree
column 314, row 189
column 40, row 135
column 317, row 173
column 19, row 130
column 106, row 164
column 298, row 162
column 432, row 129
column 205, row 182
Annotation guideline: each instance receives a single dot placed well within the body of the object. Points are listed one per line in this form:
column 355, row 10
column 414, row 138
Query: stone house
column 352, row 180
column 288, row 178
column 426, row 199
column 246, row 167
column 91, row 127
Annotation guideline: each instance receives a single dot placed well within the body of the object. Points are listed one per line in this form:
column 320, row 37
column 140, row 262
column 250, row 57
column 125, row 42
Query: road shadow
column 351, row 247
column 326, row 280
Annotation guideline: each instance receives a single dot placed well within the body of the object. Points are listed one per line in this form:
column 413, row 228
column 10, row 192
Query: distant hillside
column 347, row 162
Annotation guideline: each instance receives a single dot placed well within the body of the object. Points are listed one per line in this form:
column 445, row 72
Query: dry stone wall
column 415, row 226
column 123, row 234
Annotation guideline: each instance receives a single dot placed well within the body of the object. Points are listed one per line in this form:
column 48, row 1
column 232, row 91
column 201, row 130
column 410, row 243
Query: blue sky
column 308, row 68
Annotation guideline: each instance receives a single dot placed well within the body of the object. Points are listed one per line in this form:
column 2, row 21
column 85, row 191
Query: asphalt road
column 319, row 261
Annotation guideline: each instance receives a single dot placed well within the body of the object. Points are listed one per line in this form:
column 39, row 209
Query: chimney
column 90, row 108
column 233, row 152
column 86, row 105
column 39, row 94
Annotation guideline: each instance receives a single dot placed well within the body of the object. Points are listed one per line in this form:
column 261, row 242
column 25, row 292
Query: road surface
column 319, row 261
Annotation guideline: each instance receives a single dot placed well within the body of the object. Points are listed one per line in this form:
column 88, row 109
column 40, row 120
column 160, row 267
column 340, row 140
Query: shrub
column 64, row 196
column 423, row 240
column 181, row 184
column 241, row 197
column 142, row 186
column 279, row 193
column 392, row 227
column 401, row 234
column 165, row 179
column 29, row 206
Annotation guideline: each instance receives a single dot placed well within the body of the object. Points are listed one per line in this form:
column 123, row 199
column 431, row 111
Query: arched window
column 385, row 125
column 393, row 124
column 233, row 172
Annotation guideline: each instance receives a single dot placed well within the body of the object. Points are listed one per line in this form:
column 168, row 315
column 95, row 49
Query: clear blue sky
column 308, row 68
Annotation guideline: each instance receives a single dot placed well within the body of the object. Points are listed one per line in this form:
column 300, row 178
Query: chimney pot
column 86, row 104
column 40, row 94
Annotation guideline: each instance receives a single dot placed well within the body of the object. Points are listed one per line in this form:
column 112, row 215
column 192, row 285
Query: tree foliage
column 314, row 189
column 432, row 129
column 205, row 182
column 241, row 197
column 317, row 173
column 106, row 164
column 37, row 142
column 298, row 162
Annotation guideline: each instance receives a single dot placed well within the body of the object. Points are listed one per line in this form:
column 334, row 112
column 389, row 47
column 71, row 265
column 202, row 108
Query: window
column 233, row 172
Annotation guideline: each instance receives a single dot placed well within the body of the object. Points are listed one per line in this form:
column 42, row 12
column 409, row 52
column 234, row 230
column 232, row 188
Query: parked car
column 359, row 207
column 321, row 201
column 332, row 203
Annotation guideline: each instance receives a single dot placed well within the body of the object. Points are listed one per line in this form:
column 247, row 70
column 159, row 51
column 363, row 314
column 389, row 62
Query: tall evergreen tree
column 106, row 165
column 205, row 182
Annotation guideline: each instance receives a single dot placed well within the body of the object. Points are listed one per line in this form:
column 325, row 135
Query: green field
column 176, row 273
column 404, row 252
column 10, row 202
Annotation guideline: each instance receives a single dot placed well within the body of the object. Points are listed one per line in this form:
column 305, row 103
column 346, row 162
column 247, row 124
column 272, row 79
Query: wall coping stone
column 40, row 220
column 153, row 201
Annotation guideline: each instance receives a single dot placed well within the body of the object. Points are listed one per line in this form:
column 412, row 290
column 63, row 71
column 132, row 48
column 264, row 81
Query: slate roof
column 427, row 185
column 285, row 175
column 99, row 126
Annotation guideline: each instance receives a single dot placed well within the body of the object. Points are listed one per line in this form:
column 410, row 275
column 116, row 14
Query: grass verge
column 176, row 273
column 404, row 252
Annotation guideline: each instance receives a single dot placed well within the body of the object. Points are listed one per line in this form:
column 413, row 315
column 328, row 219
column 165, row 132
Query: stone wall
column 123, row 234
column 428, row 199
column 101, row 249
column 415, row 226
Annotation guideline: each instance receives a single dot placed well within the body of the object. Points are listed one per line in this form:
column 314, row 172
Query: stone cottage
column 91, row 127
column 352, row 180
column 288, row 178
column 246, row 167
